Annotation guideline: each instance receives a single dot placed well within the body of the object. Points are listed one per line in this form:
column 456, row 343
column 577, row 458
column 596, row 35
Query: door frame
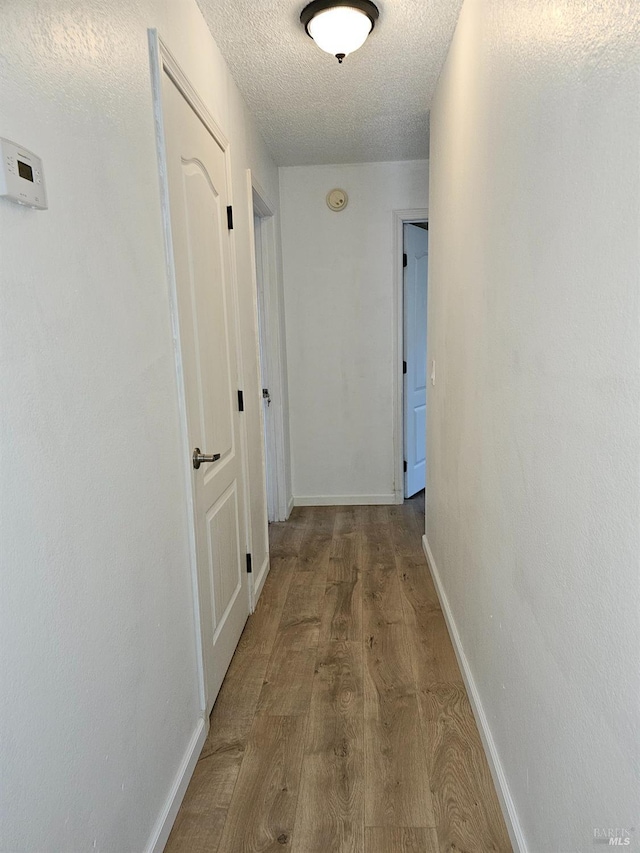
column 400, row 218
column 260, row 204
column 162, row 61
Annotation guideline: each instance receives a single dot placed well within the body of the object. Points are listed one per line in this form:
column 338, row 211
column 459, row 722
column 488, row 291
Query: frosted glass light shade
column 339, row 26
column 340, row 30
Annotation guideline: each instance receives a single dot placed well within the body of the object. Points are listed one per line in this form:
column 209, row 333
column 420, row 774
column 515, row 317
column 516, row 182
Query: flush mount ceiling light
column 339, row 26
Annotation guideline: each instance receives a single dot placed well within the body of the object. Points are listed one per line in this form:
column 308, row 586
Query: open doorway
column 415, row 260
column 412, row 253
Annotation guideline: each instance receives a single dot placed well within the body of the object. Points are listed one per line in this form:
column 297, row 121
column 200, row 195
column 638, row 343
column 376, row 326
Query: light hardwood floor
column 343, row 725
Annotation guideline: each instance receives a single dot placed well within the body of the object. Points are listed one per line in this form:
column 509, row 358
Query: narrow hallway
column 343, row 723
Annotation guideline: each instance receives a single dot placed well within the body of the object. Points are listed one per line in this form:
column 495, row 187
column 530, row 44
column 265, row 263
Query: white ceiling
column 310, row 109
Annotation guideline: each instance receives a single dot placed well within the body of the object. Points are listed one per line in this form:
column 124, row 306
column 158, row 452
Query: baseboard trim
column 261, row 577
column 344, row 500
column 290, row 506
column 499, row 779
column 163, row 826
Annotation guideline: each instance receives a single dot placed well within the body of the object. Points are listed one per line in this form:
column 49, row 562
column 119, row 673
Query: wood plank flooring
column 343, row 725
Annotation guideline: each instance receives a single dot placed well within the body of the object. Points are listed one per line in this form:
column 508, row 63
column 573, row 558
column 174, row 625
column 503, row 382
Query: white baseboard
column 167, row 817
column 290, row 507
column 261, row 577
column 344, row 500
column 499, row 779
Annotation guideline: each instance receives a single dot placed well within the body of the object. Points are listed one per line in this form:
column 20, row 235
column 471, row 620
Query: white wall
column 339, row 307
column 533, row 444
column 98, row 698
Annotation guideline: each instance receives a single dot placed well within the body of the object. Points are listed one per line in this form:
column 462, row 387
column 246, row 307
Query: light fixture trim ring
column 316, row 6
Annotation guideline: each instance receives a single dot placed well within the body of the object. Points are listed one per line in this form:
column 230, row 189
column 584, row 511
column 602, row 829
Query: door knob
column 199, row 458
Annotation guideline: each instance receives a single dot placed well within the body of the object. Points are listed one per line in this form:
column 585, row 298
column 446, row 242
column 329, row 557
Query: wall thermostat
column 21, row 176
column 337, row 199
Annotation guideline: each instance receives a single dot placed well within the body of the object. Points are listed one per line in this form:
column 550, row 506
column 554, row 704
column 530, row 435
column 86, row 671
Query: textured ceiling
column 375, row 106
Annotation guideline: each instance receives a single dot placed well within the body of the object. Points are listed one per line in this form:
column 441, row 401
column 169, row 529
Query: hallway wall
column 339, row 306
column 99, row 703
column 533, row 497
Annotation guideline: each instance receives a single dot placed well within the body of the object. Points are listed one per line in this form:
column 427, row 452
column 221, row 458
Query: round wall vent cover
column 337, row 199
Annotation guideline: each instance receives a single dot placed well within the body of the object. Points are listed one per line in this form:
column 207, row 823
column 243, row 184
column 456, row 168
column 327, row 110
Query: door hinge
column 404, row 259
column 404, row 366
column 229, row 217
column 248, row 564
column 240, row 401
column 404, row 466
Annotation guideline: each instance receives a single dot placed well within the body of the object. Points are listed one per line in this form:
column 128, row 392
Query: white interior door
column 267, row 420
column 198, row 195
column 416, row 250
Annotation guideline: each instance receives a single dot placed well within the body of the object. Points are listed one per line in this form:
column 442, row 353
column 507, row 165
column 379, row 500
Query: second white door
column 267, row 420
